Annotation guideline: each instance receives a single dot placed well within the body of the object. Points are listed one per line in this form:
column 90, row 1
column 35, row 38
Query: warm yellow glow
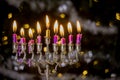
column 118, row 16
column 26, row 26
column 56, row 27
column 53, row 71
column 4, row 38
column 38, row 28
column 9, row 15
column 47, row 22
column 82, row 52
column 5, row 43
column 106, row 70
column 95, row 62
column 22, row 33
column 59, row 75
column 18, row 37
column 45, row 49
column 69, row 27
column 95, row 0
column 61, row 31
column 62, row 15
column 98, row 23
column 85, row 72
column 78, row 27
column 30, row 33
column 14, row 26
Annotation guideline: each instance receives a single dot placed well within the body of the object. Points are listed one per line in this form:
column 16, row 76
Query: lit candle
column 31, row 41
column 22, row 39
column 79, row 36
column 47, row 25
column 14, row 30
column 56, row 31
column 62, row 34
column 31, row 36
column 38, row 31
column 70, row 32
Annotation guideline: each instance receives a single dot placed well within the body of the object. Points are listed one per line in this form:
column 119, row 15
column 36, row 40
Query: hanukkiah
column 60, row 57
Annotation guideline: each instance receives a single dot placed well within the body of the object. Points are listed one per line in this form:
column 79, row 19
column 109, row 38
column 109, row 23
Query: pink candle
column 70, row 38
column 14, row 38
column 32, row 41
column 63, row 41
column 55, row 39
column 38, row 39
column 78, row 38
column 22, row 40
column 14, row 30
column 29, row 45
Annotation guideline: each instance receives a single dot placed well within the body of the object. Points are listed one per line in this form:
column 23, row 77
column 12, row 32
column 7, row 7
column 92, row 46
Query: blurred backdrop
column 99, row 19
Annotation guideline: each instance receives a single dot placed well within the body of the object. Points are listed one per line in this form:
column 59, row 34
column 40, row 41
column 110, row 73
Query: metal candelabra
column 59, row 58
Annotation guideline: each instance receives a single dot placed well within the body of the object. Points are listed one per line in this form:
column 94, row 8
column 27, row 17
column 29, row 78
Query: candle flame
column 61, row 30
column 14, row 26
column 38, row 28
column 30, row 33
column 56, row 26
column 22, row 32
column 69, row 27
column 47, row 22
column 78, row 27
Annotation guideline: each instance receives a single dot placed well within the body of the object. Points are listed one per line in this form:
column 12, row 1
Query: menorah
column 60, row 57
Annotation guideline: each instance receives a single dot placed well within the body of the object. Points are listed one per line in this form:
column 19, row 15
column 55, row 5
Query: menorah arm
column 39, row 70
column 56, row 66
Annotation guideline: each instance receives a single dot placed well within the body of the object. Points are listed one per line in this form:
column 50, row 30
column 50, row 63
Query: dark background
column 102, row 11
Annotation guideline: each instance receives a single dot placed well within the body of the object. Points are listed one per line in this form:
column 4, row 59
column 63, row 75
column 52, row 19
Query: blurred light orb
column 26, row 26
column 98, row 23
column 16, row 68
column 106, row 70
column 59, row 75
column 113, row 75
column 4, row 38
column 118, row 16
column 9, row 15
column 45, row 49
column 53, row 71
column 95, row 62
column 82, row 53
column 62, row 8
column 85, row 72
column 88, row 56
column 62, row 15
